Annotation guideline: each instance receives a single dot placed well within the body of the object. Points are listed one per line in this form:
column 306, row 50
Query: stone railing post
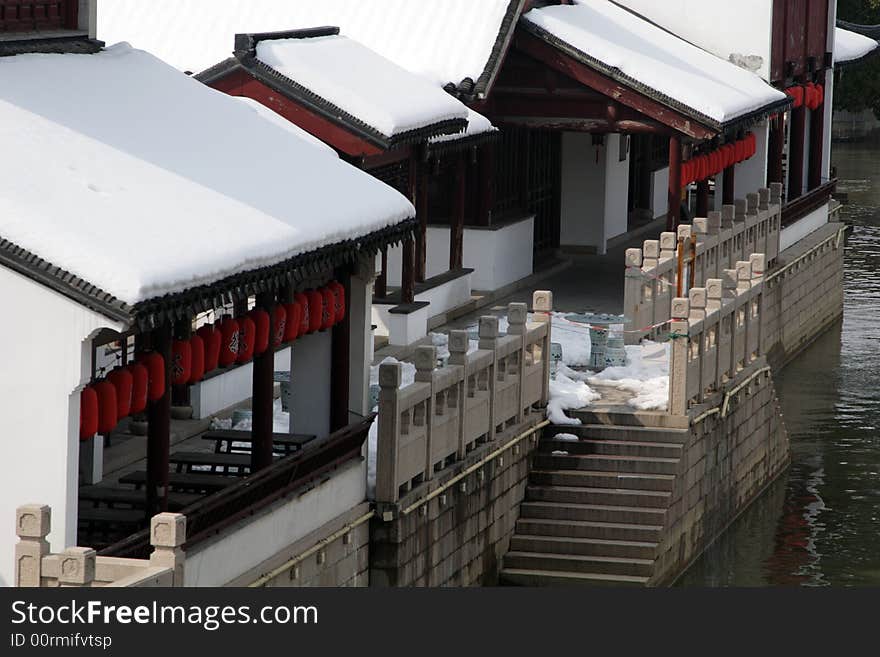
column 33, row 523
column 517, row 317
column 763, row 199
column 425, row 359
column 714, row 294
column 697, row 302
column 714, row 304
column 633, row 291
column 459, row 343
column 167, row 536
column 776, row 193
column 678, row 368
column 728, row 216
column 743, row 275
column 668, row 245
column 489, row 334
column 756, row 313
column 651, row 254
column 76, row 567
column 390, row 378
column 752, row 201
column 542, row 304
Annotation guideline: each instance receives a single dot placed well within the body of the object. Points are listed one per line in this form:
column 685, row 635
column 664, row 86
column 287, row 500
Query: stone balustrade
column 36, row 566
column 715, row 333
column 447, row 412
column 750, row 226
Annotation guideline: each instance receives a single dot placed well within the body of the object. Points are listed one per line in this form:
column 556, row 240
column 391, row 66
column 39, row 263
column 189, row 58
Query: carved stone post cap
column 741, row 206
column 697, row 297
column 168, row 530
column 425, row 358
column 681, row 308
column 729, row 278
column 517, row 313
column 390, row 375
column 744, row 270
column 701, row 226
column 714, row 288
column 633, row 257
column 668, row 241
column 752, row 200
column 77, row 566
column 33, row 521
column 459, row 342
column 713, row 222
column 489, row 329
column 542, row 301
column 684, row 231
column 652, row 248
column 759, row 264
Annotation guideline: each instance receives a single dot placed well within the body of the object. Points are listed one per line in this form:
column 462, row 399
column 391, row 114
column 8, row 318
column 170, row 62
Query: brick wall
column 728, row 461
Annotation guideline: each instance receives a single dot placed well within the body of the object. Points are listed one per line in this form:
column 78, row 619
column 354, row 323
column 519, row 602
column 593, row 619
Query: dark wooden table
column 196, row 482
column 282, row 443
column 221, row 463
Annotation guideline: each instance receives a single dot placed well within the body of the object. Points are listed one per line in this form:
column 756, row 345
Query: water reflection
column 820, row 525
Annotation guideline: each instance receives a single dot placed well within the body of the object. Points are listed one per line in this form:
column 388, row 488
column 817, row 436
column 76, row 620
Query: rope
column 605, row 328
column 651, row 276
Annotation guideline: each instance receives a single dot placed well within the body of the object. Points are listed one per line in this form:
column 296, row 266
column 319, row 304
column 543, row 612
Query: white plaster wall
column 360, row 300
column 798, row 231
column 401, row 330
column 723, row 28
column 829, row 119
column 660, row 192
column 751, row 175
column 247, row 545
column 616, row 189
column 46, row 364
column 310, row 358
column 500, row 257
column 230, row 388
column 583, row 192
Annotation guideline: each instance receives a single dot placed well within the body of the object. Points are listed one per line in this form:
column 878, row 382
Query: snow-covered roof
column 850, row 46
column 640, row 54
column 362, row 84
column 281, row 122
column 478, row 125
column 442, row 40
column 145, row 182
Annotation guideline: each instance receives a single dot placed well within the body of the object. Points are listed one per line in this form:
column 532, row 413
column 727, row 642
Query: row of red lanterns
column 126, row 390
column 810, row 95
column 711, row 164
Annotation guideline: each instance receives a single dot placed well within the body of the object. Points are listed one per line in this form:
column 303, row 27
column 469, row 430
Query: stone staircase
column 594, row 515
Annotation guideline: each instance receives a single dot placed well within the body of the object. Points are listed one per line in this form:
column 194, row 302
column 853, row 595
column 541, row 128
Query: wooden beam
column 796, row 144
column 558, row 60
column 263, row 404
column 674, row 210
column 776, row 150
column 159, row 429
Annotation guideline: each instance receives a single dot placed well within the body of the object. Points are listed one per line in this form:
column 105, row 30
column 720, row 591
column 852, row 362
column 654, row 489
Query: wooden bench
column 181, row 481
column 112, row 498
column 282, row 443
column 218, row 462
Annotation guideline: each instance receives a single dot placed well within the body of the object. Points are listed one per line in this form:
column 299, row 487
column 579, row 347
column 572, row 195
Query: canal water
column 820, row 524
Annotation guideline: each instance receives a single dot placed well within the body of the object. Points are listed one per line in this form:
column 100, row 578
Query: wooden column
column 340, row 372
column 456, row 228
column 817, row 146
column 776, row 150
column 408, row 271
column 159, row 429
column 703, row 198
column 424, row 178
column 674, row 211
column 487, row 185
column 796, row 153
column 263, row 403
column 381, row 287
column 728, row 193
column 180, row 395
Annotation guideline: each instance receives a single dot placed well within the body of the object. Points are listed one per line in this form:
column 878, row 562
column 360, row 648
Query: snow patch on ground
column 568, row 394
column 566, row 438
column 646, row 376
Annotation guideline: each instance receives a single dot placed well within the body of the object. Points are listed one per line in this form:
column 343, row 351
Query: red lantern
column 279, row 325
column 108, row 407
column 716, row 163
column 305, row 319
column 155, row 365
column 262, row 324
column 140, row 385
column 197, row 346
column 328, row 308
column 339, row 293
column 753, row 144
column 247, row 336
column 797, row 93
column 181, row 362
column 685, row 173
column 123, row 381
column 316, row 310
column 229, row 341
column 729, row 156
column 739, row 151
column 294, row 320
column 820, row 93
column 704, row 167
column 213, row 340
column 88, row 413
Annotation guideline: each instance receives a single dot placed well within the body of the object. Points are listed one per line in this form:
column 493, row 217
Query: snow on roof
column 362, row 83
column 663, row 63
column 145, row 182
column 281, row 122
column 443, row 40
column 850, row 46
column 477, row 125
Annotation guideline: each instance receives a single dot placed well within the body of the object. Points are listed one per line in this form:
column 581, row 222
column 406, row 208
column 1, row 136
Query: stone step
column 583, row 546
column 607, row 432
column 613, row 448
column 593, row 513
column 525, row 577
column 649, row 419
column 606, row 531
column 603, row 479
column 579, row 564
column 606, row 496
column 606, row 463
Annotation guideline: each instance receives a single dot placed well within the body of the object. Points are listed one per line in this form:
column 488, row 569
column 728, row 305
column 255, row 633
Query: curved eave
column 858, row 61
column 453, row 146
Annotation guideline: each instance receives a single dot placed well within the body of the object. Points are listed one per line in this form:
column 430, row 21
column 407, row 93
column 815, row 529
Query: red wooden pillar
column 796, row 143
column 263, row 402
column 340, row 374
column 456, row 228
column 408, row 271
column 817, row 146
column 703, row 198
column 381, row 286
column 674, row 211
column 159, row 429
column 422, row 213
column 776, row 150
column 728, row 192
column 180, row 394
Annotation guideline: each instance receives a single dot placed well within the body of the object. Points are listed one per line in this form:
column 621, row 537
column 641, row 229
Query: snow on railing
column 697, row 253
column 447, row 412
column 715, row 333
